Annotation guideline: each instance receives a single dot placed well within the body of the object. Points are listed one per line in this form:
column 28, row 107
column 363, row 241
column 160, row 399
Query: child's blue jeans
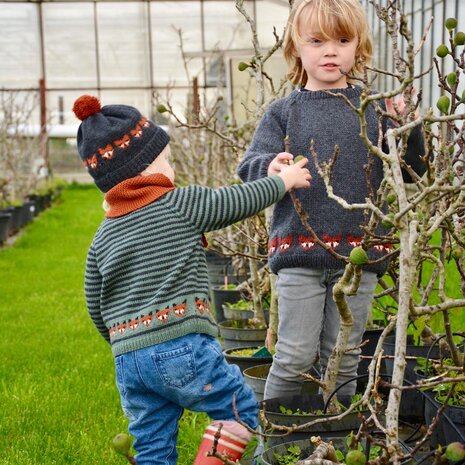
column 157, row 383
column 309, row 324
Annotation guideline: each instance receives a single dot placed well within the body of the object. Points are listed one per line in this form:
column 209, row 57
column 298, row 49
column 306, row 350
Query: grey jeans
column 309, row 324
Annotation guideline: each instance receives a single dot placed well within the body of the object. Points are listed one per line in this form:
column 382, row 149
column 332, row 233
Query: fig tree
column 298, row 158
column 161, row 108
column 242, row 66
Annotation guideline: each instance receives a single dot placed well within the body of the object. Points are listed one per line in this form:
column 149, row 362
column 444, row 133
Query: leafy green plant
column 292, row 456
column 239, row 305
column 299, row 411
column 243, row 352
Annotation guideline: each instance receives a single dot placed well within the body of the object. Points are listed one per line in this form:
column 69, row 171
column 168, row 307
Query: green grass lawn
column 59, row 402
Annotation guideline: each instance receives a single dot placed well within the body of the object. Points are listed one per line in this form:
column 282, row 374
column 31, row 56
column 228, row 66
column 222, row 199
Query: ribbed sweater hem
column 194, row 325
column 326, row 261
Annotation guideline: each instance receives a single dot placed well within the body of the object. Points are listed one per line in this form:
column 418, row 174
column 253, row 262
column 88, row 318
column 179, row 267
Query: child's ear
column 295, row 53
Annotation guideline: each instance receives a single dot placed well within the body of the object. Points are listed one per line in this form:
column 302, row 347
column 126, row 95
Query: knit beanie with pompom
column 115, row 142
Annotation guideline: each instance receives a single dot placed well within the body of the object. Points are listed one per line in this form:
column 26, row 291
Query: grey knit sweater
column 146, row 277
column 328, row 120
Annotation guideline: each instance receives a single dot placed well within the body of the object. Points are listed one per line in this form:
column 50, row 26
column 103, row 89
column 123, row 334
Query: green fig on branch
column 451, row 23
column 455, row 451
column 355, row 457
column 459, row 38
column 443, row 104
column 358, row 256
column 442, row 51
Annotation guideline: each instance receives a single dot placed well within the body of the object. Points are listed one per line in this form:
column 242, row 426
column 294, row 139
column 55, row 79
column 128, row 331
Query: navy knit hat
column 115, row 142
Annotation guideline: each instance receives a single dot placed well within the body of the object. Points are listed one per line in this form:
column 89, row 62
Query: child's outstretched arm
column 415, row 143
column 210, row 209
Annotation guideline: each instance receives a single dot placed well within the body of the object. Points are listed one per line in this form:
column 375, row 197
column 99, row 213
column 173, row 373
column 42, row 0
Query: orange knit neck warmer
column 135, row 193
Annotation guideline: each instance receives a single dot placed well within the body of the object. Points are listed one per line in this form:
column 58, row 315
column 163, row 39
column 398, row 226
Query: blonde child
column 326, row 43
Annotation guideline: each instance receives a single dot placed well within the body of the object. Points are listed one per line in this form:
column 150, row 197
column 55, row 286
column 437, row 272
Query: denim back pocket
column 176, row 367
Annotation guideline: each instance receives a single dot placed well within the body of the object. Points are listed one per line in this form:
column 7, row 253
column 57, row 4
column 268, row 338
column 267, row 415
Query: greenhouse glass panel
column 271, row 14
column 139, row 99
column 19, row 46
column 59, row 109
column 123, row 41
column 225, row 28
column 69, row 45
column 170, row 22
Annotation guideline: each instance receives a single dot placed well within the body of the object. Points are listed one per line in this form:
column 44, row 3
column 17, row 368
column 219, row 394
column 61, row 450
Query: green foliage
column 243, row 352
column 240, row 305
column 60, row 404
column 292, row 456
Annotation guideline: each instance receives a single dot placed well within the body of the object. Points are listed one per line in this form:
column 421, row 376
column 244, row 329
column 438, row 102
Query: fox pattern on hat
column 115, row 142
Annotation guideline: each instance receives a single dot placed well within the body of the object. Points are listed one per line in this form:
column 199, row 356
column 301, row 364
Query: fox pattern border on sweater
column 307, row 243
column 162, row 316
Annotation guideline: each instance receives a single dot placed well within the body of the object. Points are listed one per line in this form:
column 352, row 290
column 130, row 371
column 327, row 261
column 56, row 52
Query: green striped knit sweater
column 146, row 278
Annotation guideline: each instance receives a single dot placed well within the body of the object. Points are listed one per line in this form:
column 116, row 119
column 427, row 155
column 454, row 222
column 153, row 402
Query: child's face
column 161, row 165
column 323, row 58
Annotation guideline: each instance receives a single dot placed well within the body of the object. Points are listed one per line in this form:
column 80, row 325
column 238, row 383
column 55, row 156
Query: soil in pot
column 243, row 357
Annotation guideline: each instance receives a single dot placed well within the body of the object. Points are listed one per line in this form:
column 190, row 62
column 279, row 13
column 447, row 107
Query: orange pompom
column 85, row 106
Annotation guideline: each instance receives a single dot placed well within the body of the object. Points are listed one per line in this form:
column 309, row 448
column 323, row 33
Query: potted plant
column 240, row 310
column 307, row 414
column 243, row 332
column 247, row 357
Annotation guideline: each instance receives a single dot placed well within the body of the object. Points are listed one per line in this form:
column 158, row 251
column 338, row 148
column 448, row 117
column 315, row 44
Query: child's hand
column 295, row 175
column 279, row 162
column 396, row 106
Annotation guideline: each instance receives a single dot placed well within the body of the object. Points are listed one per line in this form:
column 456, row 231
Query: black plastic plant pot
column 453, row 424
column 219, row 297
column 5, row 221
column 308, row 403
column 274, row 455
column 255, row 377
column 244, row 362
column 237, row 333
column 412, row 404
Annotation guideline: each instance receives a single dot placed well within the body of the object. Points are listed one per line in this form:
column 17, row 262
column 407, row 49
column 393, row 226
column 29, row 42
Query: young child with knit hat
column 146, row 282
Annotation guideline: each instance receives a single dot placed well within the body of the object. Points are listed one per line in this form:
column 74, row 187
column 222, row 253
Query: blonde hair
column 332, row 19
